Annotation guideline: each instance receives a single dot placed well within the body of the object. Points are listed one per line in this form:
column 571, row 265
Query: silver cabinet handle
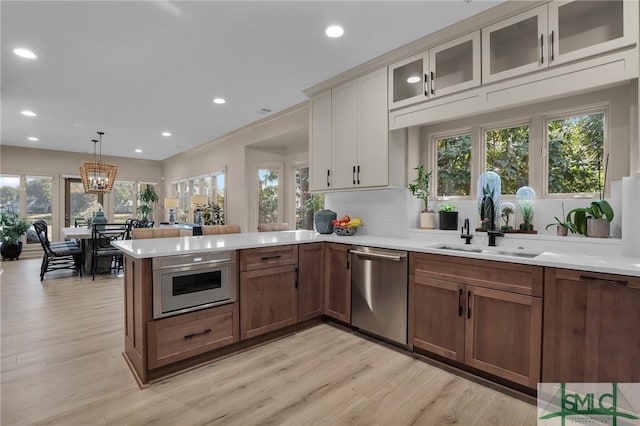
column 376, row 256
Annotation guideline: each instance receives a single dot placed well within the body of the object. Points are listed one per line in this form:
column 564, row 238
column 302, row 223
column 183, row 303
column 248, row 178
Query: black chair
column 58, row 255
column 101, row 237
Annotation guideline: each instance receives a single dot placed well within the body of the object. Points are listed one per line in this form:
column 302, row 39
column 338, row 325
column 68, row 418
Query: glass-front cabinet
column 583, row 28
column 556, row 33
column 443, row 69
column 515, row 46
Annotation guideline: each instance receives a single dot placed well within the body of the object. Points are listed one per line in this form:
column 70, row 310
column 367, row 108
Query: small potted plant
column 13, row 228
column 594, row 220
column 526, row 210
column 420, row 189
column 147, row 197
column 448, row 217
column 562, row 227
column 506, row 211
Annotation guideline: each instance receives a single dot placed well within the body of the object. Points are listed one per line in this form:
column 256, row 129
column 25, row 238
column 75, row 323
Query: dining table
column 84, row 235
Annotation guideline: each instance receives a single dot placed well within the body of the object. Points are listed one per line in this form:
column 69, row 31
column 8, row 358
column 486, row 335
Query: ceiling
column 134, row 69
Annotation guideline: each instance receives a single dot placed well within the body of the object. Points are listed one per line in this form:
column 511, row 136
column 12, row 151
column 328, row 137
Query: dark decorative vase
column 11, row 251
column 322, row 220
column 448, row 220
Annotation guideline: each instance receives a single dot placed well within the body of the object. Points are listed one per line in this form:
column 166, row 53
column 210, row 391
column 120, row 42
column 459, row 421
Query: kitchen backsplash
column 392, row 212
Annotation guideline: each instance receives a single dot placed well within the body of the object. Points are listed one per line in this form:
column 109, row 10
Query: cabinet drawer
column 268, row 257
column 183, row 336
column 512, row 277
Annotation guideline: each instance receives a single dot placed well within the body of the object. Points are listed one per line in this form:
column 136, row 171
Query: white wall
column 60, row 164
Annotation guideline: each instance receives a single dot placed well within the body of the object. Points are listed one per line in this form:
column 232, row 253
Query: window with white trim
column 507, row 154
column 453, row 165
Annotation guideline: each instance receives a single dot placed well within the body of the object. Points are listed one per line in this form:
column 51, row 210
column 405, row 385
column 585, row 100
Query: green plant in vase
column 486, row 192
column 147, row 197
column 526, row 210
column 506, row 213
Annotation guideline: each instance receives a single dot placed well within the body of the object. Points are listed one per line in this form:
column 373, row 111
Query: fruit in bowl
column 346, row 226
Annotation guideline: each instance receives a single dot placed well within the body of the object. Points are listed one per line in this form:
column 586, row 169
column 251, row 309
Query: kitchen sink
column 483, row 250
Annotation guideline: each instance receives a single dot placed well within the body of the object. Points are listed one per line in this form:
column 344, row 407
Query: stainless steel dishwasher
column 379, row 292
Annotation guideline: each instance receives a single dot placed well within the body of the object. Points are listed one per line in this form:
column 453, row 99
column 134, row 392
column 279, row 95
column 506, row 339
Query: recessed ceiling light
column 166, row 134
column 138, row 151
column 28, row 113
column 219, row 101
column 24, row 53
column 33, row 139
column 413, row 79
column 334, row 31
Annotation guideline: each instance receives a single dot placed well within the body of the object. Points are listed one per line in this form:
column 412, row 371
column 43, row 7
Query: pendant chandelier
column 97, row 177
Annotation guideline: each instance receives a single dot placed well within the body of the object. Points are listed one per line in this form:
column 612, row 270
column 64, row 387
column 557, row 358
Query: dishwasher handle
column 377, row 256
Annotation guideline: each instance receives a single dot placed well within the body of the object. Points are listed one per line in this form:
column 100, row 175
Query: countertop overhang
column 157, row 247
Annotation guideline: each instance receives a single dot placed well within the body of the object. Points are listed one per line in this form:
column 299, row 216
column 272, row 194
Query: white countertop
column 603, row 260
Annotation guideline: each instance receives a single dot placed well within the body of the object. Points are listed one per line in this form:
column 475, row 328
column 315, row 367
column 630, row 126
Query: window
column 507, row 154
column 123, row 194
column 306, row 203
column 575, row 146
column 39, row 194
column 10, row 194
column 268, row 208
column 453, row 165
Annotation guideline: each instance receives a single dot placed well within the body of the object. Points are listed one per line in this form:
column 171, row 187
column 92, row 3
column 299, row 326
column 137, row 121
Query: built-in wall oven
column 185, row 283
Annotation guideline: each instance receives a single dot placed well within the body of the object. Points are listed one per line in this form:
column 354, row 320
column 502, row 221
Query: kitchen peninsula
column 289, row 280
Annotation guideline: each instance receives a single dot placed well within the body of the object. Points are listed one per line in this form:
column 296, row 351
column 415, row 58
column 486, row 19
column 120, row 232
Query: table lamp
column 198, row 200
column 171, row 204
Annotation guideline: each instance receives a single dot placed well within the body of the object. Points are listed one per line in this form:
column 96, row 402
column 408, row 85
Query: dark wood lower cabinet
column 310, row 280
column 268, row 300
column 482, row 326
column 438, row 317
column 337, row 284
column 503, row 334
column 591, row 327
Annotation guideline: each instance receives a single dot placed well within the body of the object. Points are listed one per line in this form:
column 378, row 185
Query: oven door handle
column 194, row 266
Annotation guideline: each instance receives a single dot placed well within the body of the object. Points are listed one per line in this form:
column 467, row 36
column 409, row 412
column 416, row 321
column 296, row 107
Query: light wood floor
column 61, row 364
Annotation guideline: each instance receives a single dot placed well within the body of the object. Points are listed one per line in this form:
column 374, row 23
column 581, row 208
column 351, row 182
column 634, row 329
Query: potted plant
column 526, row 210
column 448, row 217
column 13, row 228
column 562, row 227
column 212, row 213
column 592, row 221
column 420, row 189
column 147, row 197
column 506, row 210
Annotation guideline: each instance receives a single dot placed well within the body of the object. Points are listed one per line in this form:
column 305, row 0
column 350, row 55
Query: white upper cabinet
column 515, row 46
column 443, row 69
column 320, row 141
column 360, row 132
column 556, row 33
column 455, row 65
column 578, row 29
column 349, row 135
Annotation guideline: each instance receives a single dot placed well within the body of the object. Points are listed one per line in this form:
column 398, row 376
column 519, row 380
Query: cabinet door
column 437, row 316
column 591, row 331
column 515, row 46
column 310, row 280
column 344, row 119
column 337, row 284
column 503, row 334
column 408, row 81
column 372, row 168
column 455, row 65
column 268, row 300
column 320, row 141
column 578, row 29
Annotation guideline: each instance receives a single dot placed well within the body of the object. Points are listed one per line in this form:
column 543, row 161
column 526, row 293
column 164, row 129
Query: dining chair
column 220, row 229
column 57, row 255
column 266, row 227
column 102, row 235
column 144, row 233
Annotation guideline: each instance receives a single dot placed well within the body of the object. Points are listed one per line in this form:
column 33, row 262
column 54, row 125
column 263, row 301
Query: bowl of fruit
column 345, row 226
